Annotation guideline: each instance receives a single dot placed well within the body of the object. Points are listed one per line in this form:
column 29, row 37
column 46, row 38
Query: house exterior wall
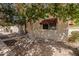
column 60, row 33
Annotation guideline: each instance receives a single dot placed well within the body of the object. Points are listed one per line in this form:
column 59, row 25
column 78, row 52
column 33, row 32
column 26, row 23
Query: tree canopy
column 20, row 13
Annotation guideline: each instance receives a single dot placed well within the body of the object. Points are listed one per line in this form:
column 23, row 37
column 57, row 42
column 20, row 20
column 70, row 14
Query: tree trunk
column 25, row 28
column 31, row 25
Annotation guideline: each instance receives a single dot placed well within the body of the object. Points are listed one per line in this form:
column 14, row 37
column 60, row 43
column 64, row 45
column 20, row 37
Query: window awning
column 52, row 21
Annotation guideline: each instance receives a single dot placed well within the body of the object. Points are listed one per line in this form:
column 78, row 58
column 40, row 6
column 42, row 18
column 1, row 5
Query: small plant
column 74, row 37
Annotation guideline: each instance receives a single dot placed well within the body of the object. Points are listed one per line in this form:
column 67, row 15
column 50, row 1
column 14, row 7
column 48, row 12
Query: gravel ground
column 41, row 47
column 35, row 46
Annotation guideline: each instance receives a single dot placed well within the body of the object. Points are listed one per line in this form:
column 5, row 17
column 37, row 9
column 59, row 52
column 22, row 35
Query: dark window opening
column 45, row 26
column 49, row 24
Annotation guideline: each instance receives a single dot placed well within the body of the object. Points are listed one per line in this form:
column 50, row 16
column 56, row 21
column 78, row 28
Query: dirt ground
column 42, row 47
column 30, row 46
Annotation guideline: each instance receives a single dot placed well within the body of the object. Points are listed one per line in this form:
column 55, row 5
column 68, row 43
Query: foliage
column 24, row 13
column 8, row 13
column 74, row 37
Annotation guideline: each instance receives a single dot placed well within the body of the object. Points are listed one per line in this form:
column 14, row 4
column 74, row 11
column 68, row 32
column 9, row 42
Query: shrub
column 74, row 37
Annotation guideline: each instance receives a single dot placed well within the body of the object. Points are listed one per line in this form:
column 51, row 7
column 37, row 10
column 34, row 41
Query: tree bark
column 31, row 25
column 25, row 27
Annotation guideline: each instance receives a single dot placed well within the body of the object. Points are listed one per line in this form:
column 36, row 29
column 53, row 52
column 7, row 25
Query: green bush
column 74, row 37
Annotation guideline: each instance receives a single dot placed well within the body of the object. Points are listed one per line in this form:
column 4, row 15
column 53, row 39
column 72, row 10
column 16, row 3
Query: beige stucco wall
column 57, row 34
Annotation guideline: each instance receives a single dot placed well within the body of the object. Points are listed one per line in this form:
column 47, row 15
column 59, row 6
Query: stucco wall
column 60, row 33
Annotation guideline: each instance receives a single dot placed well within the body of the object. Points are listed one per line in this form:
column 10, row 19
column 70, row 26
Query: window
column 45, row 26
column 48, row 26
